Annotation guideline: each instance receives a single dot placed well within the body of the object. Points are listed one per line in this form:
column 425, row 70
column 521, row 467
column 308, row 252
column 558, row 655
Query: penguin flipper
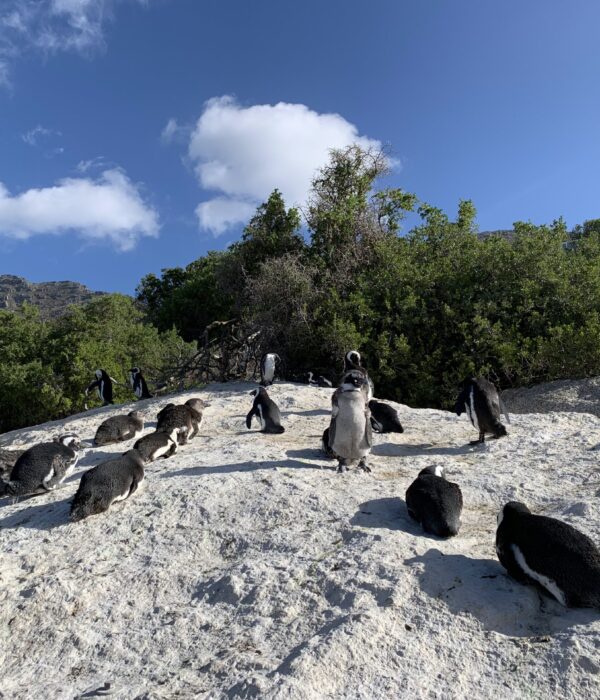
column 249, row 417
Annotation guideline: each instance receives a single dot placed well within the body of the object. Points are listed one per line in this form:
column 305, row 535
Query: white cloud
column 31, row 137
column 174, row 132
column 51, row 26
column 244, row 153
column 109, row 208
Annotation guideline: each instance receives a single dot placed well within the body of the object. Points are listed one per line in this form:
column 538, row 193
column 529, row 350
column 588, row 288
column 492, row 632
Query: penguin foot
column 342, row 468
column 364, row 466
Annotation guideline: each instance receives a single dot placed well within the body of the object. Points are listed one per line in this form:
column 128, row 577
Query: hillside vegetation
column 426, row 308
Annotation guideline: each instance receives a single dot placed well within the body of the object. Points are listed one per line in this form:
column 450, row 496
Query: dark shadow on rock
column 42, row 516
column 483, row 589
column 314, row 412
column 308, row 453
column 385, row 513
column 243, row 467
column 391, row 449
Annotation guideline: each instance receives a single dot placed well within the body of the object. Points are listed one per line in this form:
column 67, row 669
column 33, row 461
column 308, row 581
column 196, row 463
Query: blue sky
column 138, row 135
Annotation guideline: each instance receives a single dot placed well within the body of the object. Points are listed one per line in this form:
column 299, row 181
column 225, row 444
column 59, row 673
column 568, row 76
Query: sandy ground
column 579, row 395
column 246, row 567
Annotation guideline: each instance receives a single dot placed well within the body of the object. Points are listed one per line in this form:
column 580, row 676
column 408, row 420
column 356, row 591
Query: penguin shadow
column 481, row 588
column 242, row 467
column 41, row 516
column 313, row 453
column 392, row 449
column 384, row 513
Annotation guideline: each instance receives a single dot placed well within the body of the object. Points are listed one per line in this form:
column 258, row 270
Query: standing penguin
column 157, row 445
column 138, row 383
column 108, row 482
column 384, row 418
column 268, row 366
column 480, row 399
column 543, row 550
column 103, row 383
column 350, row 436
column 43, row 467
column 267, row 412
column 435, row 502
column 119, row 428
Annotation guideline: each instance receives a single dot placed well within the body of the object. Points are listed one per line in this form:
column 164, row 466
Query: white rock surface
column 246, row 567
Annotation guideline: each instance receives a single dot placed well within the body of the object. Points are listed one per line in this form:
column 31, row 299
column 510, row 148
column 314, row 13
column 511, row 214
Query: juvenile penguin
column 350, row 436
column 108, row 482
column 267, row 412
column 103, row 383
column 268, row 366
column 553, row 554
column 435, row 502
column 384, row 418
column 185, row 419
column 138, row 383
column 43, row 467
column 157, row 445
column 119, row 429
column 480, row 399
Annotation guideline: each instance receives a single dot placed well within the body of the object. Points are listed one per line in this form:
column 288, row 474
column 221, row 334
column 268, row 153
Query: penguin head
column 511, row 508
column 134, row 371
column 196, row 404
column 69, row 440
column 435, row 470
column 134, row 456
column 99, row 373
column 136, row 415
column 352, row 359
column 353, row 380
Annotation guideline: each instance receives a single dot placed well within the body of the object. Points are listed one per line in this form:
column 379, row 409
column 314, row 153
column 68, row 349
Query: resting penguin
column 138, row 383
column 480, row 399
column 319, row 381
column 185, row 419
column 108, row 482
column 157, row 445
column 384, row 418
column 267, row 412
column 268, row 365
column 435, row 502
column 42, row 467
column 350, row 437
column 103, row 383
column 546, row 551
column 119, row 428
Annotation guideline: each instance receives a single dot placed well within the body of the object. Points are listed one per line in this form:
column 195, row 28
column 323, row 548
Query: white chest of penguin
column 350, row 425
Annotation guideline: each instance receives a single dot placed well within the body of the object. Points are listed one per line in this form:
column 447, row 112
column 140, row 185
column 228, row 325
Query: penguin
column 103, row 383
column 352, row 367
column 43, row 467
column 435, row 502
column 119, row 429
column 157, row 445
column 108, row 482
column 384, row 418
column 546, row 551
column 186, row 419
column 267, row 412
column 268, row 366
column 138, row 383
column 350, row 435
column 319, row 381
column 480, row 399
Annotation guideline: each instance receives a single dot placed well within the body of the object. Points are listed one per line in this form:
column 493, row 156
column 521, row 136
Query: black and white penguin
column 480, row 399
column 352, row 360
column 268, row 367
column 267, row 412
column 186, row 419
column 538, row 549
column 103, row 383
column 435, row 503
column 138, row 383
column 157, row 445
column 119, row 428
column 105, row 484
column 384, row 418
column 320, row 381
column 43, row 467
column 350, row 435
